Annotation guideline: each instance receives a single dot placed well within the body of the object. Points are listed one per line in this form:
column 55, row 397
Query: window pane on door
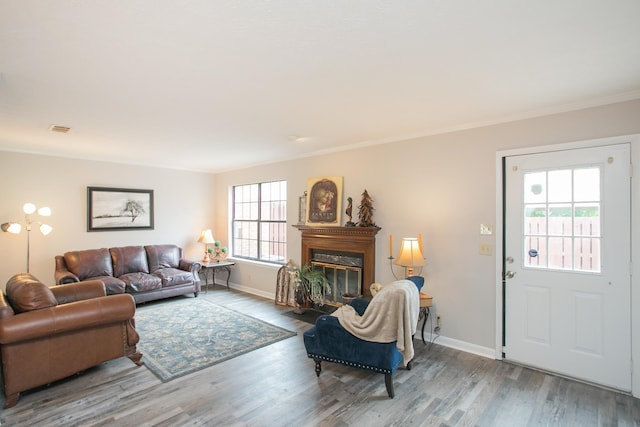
column 586, row 185
column 535, row 220
column 560, row 253
column 535, row 252
column 560, row 186
column 535, row 185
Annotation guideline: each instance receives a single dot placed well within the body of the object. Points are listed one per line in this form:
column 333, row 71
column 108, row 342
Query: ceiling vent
column 61, row 129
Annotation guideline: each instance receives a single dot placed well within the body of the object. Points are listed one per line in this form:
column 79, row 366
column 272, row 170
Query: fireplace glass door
column 342, row 280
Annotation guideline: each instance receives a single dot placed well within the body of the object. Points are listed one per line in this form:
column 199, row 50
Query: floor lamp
column 16, row 227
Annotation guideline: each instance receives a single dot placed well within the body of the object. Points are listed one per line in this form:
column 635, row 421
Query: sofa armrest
column 62, row 274
column 63, row 318
column 192, row 266
column 79, row 291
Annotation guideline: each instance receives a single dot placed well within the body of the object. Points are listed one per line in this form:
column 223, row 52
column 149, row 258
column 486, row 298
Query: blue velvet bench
column 329, row 341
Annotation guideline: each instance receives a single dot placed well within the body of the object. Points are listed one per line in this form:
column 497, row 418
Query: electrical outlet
column 439, row 320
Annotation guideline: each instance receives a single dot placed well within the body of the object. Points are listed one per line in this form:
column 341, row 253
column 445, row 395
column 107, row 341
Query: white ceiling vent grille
column 61, row 129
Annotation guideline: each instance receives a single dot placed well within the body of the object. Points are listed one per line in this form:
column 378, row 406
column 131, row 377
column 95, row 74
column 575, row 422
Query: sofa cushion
column 89, row 263
column 112, row 285
column 163, row 256
column 173, row 276
column 26, row 293
column 140, row 282
column 129, row 259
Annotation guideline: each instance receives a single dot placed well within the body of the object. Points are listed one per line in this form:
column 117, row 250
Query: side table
column 212, row 267
column 426, row 301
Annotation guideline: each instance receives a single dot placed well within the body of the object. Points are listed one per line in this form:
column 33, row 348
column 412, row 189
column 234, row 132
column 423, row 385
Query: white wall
column 183, row 206
column 443, row 187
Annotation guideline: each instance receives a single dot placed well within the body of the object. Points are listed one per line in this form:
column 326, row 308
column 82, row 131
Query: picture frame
column 324, row 201
column 118, row 209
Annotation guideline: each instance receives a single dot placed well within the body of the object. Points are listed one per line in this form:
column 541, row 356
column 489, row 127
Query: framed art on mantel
column 116, row 209
column 324, row 201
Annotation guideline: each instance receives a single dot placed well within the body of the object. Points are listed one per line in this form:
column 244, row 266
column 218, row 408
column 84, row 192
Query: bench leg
column 388, row 381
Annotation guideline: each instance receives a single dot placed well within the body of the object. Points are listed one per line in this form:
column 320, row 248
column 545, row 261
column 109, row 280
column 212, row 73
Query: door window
column 562, row 219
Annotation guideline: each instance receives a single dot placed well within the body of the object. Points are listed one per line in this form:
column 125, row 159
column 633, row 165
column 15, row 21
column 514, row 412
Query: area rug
column 181, row 336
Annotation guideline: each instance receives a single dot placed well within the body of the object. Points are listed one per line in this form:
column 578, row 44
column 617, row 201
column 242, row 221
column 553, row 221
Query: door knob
column 509, row 274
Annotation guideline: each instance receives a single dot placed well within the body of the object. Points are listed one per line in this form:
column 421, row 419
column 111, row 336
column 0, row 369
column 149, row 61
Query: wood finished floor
column 277, row 386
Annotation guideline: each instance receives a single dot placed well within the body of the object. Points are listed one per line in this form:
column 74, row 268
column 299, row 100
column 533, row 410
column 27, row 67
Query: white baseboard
column 440, row 340
column 465, row 346
column 252, row 291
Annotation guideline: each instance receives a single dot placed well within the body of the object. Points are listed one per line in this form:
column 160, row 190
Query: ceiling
column 215, row 85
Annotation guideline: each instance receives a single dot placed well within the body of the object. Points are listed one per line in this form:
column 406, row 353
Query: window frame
column 260, row 241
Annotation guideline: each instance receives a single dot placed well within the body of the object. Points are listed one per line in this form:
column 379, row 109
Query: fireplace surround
column 353, row 243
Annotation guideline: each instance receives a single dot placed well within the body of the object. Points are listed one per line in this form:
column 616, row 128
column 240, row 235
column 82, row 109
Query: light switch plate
column 486, row 229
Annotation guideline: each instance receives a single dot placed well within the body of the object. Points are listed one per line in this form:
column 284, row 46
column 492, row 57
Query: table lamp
column 410, row 255
column 206, row 237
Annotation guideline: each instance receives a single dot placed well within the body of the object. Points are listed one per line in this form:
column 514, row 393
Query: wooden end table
column 426, row 301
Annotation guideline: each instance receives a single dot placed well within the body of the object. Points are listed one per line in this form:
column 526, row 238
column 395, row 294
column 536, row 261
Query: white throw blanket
column 392, row 315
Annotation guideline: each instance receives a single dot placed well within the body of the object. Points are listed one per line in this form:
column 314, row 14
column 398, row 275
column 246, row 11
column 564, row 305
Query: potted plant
column 312, row 286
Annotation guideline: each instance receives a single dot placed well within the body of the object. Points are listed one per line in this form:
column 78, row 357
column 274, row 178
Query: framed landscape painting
column 116, row 209
column 324, row 201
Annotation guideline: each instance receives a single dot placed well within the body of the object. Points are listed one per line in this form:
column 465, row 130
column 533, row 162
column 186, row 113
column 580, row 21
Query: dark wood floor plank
column 277, row 386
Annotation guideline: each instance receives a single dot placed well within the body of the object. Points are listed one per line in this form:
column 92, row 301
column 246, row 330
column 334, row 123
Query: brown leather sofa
column 147, row 272
column 47, row 334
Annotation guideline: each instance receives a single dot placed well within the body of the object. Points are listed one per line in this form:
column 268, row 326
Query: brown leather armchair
column 47, row 334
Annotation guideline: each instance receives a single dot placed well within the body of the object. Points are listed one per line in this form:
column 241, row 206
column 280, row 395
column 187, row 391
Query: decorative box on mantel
column 357, row 245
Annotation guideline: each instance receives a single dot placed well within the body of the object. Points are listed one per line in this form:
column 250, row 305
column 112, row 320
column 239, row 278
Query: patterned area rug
column 181, row 336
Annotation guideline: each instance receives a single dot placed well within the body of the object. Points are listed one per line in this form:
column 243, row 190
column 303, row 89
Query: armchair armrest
column 5, row 309
column 331, row 335
column 67, row 317
column 79, row 291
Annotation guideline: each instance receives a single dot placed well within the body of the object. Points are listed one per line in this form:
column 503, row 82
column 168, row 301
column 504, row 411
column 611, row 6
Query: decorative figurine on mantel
column 349, row 211
column 365, row 213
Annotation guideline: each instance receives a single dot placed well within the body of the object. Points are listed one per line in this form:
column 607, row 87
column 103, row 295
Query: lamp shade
column 45, row 229
column 12, row 227
column 410, row 254
column 29, row 208
column 44, row 211
column 206, row 236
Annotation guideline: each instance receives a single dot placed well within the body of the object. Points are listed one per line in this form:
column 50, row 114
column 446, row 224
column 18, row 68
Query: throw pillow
column 26, row 293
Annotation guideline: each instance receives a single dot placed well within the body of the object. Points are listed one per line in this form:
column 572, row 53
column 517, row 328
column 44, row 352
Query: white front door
column 567, row 263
